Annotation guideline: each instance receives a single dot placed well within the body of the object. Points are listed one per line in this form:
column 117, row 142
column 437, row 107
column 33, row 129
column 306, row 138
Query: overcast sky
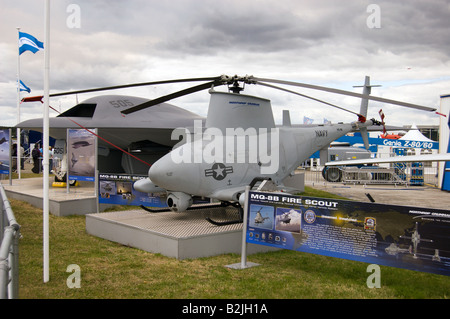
column 405, row 49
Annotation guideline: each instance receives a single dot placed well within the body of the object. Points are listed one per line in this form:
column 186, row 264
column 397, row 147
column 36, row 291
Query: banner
column 81, row 152
column 391, row 142
column 397, row 236
column 4, row 151
column 117, row 189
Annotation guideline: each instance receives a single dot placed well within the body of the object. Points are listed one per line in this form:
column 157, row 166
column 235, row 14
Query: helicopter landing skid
column 154, row 210
column 230, row 222
column 164, row 210
column 216, row 223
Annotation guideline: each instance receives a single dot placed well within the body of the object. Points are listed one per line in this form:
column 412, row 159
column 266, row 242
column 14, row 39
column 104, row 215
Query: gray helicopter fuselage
column 239, row 143
column 224, row 177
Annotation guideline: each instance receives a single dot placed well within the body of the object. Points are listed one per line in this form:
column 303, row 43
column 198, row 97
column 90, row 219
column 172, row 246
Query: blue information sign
column 117, row 189
column 398, row 236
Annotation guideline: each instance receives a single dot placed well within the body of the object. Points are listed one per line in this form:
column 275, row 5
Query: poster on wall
column 4, row 151
column 397, row 236
column 81, row 152
column 117, row 189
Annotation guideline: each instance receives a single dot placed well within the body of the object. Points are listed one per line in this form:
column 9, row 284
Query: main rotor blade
column 133, row 85
column 174, row 95
column 343, row 92
column 306, row 96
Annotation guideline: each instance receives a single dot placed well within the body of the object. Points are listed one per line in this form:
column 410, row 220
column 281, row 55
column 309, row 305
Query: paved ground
column 33, row 186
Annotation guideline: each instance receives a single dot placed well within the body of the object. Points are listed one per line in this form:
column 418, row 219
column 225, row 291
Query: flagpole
column 19, row 155
column 46, row 141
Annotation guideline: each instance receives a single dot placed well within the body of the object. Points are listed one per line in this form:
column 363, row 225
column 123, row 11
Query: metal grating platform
column 176, row 225
column 179, row 235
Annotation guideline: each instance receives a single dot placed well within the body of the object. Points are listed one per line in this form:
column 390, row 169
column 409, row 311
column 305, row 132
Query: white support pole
column 97, row 191
column 244, row 231
column 244, row 264
column 67, row 162
column 19, row 155
column 10, row 158
column 46, row 141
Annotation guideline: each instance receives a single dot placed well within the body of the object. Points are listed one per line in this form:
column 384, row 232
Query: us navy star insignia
column 219, row 171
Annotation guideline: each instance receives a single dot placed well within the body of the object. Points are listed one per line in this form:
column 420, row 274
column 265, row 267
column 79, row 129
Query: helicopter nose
column 145, row 185
column 173, row 176
column 158, row 171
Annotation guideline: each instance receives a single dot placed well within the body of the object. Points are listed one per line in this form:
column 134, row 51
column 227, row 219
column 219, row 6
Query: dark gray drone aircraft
column 80, row 144
column 144, row 134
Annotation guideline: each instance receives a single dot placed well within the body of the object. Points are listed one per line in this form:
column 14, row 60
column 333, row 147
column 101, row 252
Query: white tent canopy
column 415, row 135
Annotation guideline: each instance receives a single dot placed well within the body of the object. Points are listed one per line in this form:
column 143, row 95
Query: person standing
column 14, row 157
column 50, row 153
column 36, row 154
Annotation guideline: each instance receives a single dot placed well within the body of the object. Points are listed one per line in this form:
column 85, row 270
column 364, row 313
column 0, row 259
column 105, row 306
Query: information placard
column 5, row 148
column 117, row 189
column 82, row 150
column 398, row 236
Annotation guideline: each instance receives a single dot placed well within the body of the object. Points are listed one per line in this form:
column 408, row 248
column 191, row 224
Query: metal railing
column 406, row 176
column 375, row 175
column 9, row 250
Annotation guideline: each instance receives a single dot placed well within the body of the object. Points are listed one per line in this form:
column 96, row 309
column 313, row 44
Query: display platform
column 80, row 200
column 178, row 235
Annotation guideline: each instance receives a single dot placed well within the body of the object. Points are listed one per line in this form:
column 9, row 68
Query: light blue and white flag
column 29, row 43
column 23, row 87
column 307, row 120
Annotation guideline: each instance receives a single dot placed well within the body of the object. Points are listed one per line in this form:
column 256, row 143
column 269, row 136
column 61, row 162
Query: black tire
column 333, row 174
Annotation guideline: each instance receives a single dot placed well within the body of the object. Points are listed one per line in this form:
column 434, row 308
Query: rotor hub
column 233, row 82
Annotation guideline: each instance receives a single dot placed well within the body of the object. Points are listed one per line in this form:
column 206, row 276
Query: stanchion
column 244, row 264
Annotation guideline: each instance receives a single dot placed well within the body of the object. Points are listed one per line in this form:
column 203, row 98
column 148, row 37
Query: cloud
column 223, row 29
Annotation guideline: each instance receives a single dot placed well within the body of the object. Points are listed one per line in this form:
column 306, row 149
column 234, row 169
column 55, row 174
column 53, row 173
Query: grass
column 110, row 270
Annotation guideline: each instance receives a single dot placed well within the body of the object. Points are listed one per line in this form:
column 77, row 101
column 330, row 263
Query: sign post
column 244, row 264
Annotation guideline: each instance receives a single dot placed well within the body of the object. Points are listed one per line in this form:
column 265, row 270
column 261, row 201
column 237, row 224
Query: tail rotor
column 382, row 121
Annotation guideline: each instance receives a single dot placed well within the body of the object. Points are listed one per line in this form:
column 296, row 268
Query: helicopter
column 210, row 165
column 259, row 219
column 285, row 218
column 239, row 144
